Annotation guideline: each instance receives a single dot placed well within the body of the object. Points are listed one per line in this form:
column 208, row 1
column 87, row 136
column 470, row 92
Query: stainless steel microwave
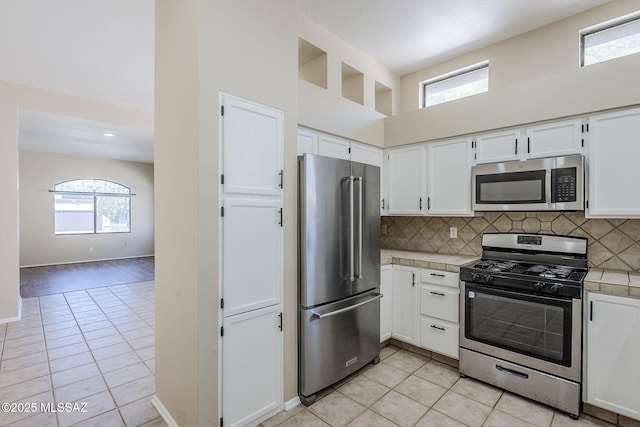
column 551, row 184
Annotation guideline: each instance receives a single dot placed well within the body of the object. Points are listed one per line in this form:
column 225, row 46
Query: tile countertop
column 425, row 259
column 613, row 282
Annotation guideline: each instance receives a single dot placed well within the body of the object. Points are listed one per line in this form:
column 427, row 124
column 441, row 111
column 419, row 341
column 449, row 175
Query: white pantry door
column 252, row 257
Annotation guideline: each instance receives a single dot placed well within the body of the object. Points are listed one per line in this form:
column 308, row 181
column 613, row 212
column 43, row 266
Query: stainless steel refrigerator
column 338, row 270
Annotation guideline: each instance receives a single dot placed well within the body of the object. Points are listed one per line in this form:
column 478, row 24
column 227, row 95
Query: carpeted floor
column 53, row 279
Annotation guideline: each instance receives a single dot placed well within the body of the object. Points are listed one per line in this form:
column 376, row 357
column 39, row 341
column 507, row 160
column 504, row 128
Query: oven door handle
column 512, row 372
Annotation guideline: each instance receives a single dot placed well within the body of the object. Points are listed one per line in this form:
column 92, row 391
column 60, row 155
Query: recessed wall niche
column 383, row 99
column 352, row 84
column 312, row 63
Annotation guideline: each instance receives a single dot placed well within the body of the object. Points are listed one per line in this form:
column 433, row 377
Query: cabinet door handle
column 413, row 279
column 420, row 203
column 382, row 204
column 280, row 326
column 281, row 178
column 437, row 275
column 516, row 145
column 440, row 328
column 437, row 293
column 591, row 311
column 528, row 145
column 428, row 203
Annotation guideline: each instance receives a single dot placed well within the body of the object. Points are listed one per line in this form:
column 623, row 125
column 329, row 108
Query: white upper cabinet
column 500, row 146
column 307, row 142
column 449, row 177
column 333, row 147
column 612, row 373
column 554, row 139
column 253, row 138
column 613, row 174
column 405, row 180
column 367, row 154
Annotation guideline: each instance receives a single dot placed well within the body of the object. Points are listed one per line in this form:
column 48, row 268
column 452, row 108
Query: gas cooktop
column 546, row 264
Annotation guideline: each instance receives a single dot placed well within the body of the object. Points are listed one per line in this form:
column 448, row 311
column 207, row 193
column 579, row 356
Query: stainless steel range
column 521, row 316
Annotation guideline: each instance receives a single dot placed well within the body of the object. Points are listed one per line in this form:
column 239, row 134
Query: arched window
column 84, row 206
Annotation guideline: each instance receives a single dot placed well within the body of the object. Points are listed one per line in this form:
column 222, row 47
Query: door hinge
column 280, row 316
column 222, row 211
column 222, row 179
column 221, row 331
column 222, row 303
column 475, row 156
column 222, row 110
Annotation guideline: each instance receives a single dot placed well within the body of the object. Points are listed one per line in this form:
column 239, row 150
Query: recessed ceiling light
column 108, row 134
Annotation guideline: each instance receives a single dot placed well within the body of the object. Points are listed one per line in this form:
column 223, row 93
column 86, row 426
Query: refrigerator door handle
column 359, row 272
column 351, row 231
column 342, row 310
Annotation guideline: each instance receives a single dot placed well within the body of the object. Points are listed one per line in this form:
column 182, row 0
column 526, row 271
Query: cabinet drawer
column 439, row 336
column 440, row 302
column 439, row 277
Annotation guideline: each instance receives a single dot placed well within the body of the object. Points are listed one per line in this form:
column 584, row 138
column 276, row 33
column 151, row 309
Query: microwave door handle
column 547, row 187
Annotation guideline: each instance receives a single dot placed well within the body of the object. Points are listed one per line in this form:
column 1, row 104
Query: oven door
column 535, row 331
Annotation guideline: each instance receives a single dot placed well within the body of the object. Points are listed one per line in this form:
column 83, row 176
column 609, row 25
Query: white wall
column 326, row 109
column 247, row 49
column 38, row 243
column 533, row 77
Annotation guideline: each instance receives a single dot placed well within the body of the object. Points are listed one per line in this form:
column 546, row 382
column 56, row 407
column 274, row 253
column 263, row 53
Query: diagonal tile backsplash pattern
column 613, row 243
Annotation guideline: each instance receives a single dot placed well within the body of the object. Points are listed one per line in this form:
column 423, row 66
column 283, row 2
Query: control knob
column 556, row 288
column 538, row 287
column 475, row 277
column 488, row 278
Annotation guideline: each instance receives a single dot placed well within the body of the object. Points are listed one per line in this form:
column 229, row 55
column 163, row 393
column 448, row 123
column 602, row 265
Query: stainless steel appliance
column 521, row 316
column 339, row 270
column 551, row 184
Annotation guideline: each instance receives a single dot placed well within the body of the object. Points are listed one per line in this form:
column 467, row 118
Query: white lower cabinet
column 612, row 371
column 439, row 311
column 424, row 308
column 439, row 336
column 405, row 306
column 386, row 303
column 252, row 366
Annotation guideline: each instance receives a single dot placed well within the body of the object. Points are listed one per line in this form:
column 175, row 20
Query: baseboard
column 14, row 319
column 163, row 412
column 88, row 260
column 290, row 404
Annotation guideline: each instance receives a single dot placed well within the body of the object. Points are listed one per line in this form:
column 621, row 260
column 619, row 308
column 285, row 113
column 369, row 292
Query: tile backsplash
column 613, row 243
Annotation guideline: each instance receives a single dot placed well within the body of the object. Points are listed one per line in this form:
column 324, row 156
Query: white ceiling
column 70, row 135
column 104, row 50
column 408, row 35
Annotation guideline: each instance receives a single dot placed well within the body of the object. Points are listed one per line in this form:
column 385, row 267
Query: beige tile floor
column 94, row 346
column 406, row 389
